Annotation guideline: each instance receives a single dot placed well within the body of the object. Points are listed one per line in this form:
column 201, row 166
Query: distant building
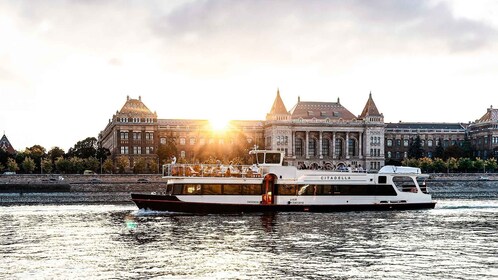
column 399, row 137
column 484, row 134
column 311, row 134
column 6, row 146
column 132, row 131
column 326, row 134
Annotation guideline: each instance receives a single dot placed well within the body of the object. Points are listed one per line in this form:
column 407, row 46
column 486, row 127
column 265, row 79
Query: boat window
column 177, row 189
column 251, row 189
column 192, row 189
column 260, row 158
column 231, row 189
column 404, row 183
column 346, row 190
column 211, row 189
column 273, row 158
column 287, row 190
column 382, row 179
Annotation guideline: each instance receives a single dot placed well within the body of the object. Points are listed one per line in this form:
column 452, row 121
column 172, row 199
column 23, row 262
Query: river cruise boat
column 269, row 186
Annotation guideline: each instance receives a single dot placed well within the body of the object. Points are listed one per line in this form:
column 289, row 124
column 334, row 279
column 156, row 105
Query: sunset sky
column 67, row 66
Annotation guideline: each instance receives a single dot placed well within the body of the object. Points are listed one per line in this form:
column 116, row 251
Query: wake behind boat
column 268, row 186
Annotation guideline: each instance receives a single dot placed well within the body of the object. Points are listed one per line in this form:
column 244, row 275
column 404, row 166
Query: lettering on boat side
column 335, row 178
column 253, row 202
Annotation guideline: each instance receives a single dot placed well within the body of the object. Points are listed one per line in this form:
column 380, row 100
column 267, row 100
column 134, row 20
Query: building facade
column 319, row 135
column 483, row 135
column 399, row 137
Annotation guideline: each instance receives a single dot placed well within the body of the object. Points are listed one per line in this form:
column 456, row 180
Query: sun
column 218, row 123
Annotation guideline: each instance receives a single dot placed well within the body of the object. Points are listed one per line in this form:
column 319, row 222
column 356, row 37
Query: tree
column 152, row 166
column 76, row 165
column 415, row 150
column 62, row 165
column 28, row 165
column 122, row 164
column 139, row 166
column 479, row 164
column 12, row 165
column 465, row 164
column 426, row 164
column 167, row 149
column 452, row 164
column 439, row 151
column 84, row 149
column 453, row 151
column 108, row 166
column 46, row 165
column 91, row 163
column 439, row 165
column 55, row 153
column 491, row 164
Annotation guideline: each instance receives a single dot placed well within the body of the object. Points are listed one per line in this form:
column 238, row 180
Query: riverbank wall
column 112, row 188
column 54, row 189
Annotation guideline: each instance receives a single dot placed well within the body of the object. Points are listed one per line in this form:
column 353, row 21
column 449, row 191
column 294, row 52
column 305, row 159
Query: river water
column 457, row 240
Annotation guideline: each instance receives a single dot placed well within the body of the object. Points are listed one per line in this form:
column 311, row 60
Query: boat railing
column 211, row 170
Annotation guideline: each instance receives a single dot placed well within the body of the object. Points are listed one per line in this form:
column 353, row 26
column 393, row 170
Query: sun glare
column 218, row 124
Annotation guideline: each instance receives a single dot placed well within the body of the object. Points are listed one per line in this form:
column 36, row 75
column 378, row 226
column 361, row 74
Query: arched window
column 352, row 147
column 312, row 147
column 338, row 147
column 299, row 147
column 325, row 147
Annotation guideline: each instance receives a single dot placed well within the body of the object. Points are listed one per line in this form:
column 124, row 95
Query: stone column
column 333, row 145
column 360, row 145
column 320, row 144
column 306, row 144
column 347, row 145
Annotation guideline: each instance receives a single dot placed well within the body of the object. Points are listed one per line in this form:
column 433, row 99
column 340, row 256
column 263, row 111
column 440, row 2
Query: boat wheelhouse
column 269, row 186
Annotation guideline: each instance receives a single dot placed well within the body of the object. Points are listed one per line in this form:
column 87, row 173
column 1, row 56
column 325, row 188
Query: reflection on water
column 457, row 240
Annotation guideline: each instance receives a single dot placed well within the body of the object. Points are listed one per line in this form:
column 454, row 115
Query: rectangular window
column 124, row 150
column 389, row 142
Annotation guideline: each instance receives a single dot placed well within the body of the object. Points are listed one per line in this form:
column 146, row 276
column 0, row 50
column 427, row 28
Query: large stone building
column 312, row 135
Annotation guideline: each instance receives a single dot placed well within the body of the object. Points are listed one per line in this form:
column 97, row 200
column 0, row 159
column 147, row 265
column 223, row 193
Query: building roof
column 418, row 125
column 6, row 146
column 320, row 110
column 136, row 108
column 278, row 107
column 490, row 116
column 370, row 109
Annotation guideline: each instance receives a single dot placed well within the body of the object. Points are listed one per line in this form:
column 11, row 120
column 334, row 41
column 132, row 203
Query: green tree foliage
column 453, row 151
column 3, row 158
column 451, row 164
column 479, row 165
column 77, row 165
column 122, row 164
column 2, row 167
column 439, row 151
column 491, row 165
column 28, row 165
column 84, row 149
column 47, row 165
column 55, row 153
column 465, row 164
column 439, row 165
column 152, row 166
column 12, row 165
column 108, row 166
column 425, row 164
column 167, row 150
column 91, row 163
column 63, row 165
column 139, row 166
column 415, row 150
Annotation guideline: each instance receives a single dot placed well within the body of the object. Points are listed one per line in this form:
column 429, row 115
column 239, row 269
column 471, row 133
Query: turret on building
column 6, row 146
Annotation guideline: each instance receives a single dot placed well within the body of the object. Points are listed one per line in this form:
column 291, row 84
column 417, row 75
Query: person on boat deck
column 255, row 168
column 173, row 160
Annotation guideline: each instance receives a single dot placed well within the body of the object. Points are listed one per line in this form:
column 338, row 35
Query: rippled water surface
column 457, row 240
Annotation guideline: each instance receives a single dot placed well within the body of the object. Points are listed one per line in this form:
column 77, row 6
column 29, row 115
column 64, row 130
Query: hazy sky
column 67, row 66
